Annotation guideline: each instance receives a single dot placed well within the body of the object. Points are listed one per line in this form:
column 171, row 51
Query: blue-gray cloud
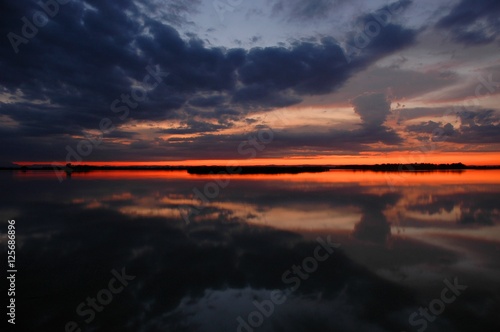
column 473, row 22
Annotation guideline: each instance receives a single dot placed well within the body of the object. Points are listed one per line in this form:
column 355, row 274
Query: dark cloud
column 306, row 10
column 372, row 108
column 174, row 12
column 473, row 22
column 121, row 134
column 192, row 126
column 209, row 101
column 258, row 95
column 89, row 55
column 385, row 13
column 303, row 141
column 479, row 118
column 479, row 127
column 432, row 127
column 485, row 134
column 391, row 38
column 422, row 112
column 305, row 68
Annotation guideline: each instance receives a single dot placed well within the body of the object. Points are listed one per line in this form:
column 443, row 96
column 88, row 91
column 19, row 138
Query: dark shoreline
column 270, row 169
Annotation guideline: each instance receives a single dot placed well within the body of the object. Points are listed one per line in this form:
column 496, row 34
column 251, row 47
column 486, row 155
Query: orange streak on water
column 334, row 176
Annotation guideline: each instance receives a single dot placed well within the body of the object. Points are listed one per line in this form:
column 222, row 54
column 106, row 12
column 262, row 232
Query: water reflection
column 397, row 245
column 373, row 225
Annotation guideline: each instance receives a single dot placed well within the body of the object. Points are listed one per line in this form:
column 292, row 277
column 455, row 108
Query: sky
column 257, row 82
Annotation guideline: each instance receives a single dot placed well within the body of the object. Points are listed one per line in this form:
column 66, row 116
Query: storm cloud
column 473, row 22
column 92, row 58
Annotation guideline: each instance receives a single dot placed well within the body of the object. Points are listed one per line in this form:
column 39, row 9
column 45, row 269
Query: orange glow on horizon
column 468, row 158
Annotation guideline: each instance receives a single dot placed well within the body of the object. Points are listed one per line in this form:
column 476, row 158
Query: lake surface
column 334, row 251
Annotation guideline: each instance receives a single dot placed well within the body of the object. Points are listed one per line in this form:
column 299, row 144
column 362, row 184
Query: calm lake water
column 335, row 251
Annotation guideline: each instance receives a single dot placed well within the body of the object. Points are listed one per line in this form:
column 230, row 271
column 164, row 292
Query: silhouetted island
column 257, row 169
column 409, row 167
